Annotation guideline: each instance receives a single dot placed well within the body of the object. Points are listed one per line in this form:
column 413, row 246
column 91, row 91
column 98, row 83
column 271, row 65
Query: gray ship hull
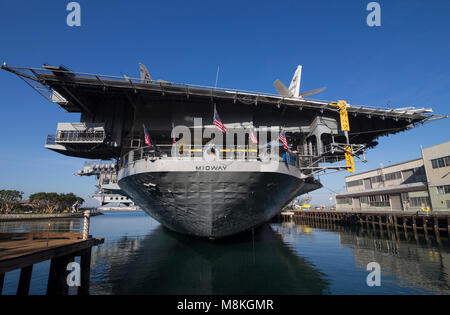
column 212, row 204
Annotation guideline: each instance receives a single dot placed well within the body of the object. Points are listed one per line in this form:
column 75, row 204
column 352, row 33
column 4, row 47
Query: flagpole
column 214, row 115
column 288, row 150
column 173, row 135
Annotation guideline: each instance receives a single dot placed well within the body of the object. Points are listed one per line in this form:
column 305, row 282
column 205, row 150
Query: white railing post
column 87, row 216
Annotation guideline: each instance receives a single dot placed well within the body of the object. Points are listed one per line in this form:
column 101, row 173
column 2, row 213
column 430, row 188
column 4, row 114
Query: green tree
column 67, row 200
column 9, row 199
column 46, row 202
column 51, row 202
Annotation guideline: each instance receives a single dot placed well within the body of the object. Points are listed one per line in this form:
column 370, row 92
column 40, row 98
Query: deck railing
column 207, row 152
column 79, row 137
column 238, row 152
column 51, row 140
column 42, row 225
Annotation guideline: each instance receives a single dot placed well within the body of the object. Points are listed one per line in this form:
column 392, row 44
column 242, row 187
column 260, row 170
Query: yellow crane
column 345, row 126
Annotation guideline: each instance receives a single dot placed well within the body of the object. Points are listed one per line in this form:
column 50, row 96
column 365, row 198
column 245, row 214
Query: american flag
column 147, row 137
column 284, row 140
column 218, row 123
column 253, row 136
column 174, row 139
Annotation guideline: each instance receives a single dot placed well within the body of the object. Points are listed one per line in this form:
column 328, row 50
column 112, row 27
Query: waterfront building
column 419, row 184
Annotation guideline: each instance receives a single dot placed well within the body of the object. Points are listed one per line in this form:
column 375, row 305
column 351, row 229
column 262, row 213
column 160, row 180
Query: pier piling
column 57, row 280
column 2, row 279
column 24, row 280
column 85, row 265
column 448, row 225
column 414, row 224
column 436, row 226
column 425, row 228
column 370, row 220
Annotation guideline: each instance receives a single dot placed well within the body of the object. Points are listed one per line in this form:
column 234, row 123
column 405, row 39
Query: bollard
column 87, row 216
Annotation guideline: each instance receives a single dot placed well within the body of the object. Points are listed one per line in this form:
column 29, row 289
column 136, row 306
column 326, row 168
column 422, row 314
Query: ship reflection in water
column 280, row 258
column 166, row 262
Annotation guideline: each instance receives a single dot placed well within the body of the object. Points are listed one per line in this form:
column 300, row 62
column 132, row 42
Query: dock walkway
column 23, row 250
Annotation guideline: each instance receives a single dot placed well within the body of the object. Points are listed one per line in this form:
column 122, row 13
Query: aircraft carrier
column 193, row 177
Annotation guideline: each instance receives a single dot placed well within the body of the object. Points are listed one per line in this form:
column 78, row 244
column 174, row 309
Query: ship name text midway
column 210, row 168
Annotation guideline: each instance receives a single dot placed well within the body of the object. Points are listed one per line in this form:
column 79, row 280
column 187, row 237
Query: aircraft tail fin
column 282, row 89
column 294, row 87
column 312, row 92
column 145, row 75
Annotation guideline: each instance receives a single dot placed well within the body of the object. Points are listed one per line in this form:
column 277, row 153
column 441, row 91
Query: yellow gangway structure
column 345, row 126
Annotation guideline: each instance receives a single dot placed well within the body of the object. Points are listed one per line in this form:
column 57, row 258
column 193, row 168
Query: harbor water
column 139, row 256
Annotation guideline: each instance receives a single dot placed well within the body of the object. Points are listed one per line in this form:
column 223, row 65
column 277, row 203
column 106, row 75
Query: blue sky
column 404, row 62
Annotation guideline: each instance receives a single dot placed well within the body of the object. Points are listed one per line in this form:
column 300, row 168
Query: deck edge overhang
column 59, row 78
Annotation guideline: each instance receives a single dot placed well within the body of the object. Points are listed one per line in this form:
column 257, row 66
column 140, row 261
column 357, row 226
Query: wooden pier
column 23, row 250
column 437, row 223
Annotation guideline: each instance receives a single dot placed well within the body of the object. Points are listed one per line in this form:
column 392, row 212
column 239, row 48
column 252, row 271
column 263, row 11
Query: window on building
column 420, row 202
column 379, row 200
column 392, row 176
column 441, row 162
column 355, row 183
column 419, row 171
column 407, row 173
column 405, row 197
column 442, row 190
column 344, row 201
column 376, row 179
column 364, row 199
column 415, row 174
